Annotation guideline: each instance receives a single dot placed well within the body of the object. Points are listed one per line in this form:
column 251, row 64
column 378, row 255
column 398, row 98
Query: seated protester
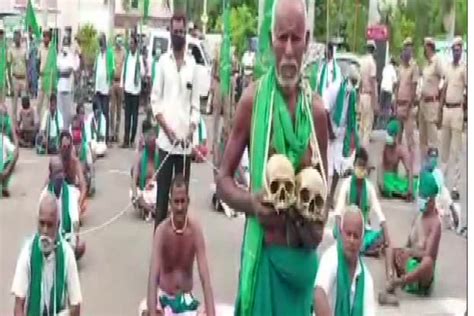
column 177, row 244
column 95, row 130
column 412, row 268
column 143, row 186
column 47, row 140
column 68, row 206
column 344, row 285
column 200, row 142
column 46, row 268
column 82, row 147
column 391, row 184
column 27, row 126
column 358, row 190
column 448, row 210
column 8, row 159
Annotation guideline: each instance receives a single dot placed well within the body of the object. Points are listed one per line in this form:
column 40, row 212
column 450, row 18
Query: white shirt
column 343, row 198
column 330, row 98
column 129, row 83
column 389, row 78
column 65, row 62
column 21, row 279
column 333, row 71
column 88, row 124
column 52, row 123
column 248, row 61
column 101, row 84
column 174, row 95
column 7, row 147
column 326, row 279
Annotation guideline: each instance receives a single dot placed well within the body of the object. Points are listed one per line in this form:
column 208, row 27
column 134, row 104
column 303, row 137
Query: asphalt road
column 114, row 270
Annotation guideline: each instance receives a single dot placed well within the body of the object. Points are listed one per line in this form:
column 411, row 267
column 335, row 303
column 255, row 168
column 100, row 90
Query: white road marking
column 118, row 171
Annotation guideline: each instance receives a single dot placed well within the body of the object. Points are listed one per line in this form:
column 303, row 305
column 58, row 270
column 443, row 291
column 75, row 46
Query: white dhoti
column 336, row 161
column 148, row 194
column 186, row 304
column 99, row 149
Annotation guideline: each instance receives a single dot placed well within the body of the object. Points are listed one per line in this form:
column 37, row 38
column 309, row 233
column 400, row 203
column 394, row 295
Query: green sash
column 394, row 184
column 144, row 166
column 361, row 201
column 343, row 296
column 83, row 153
column 179, row 304
column 109, row 65
column 323, row 78
column 66, row 224
column 351, row 133
column 58, row 291
column 153, row 71
column 313, row 75
column 48, row 126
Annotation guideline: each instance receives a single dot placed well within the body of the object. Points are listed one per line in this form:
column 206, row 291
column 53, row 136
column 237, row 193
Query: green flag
column 50, row 74
column 30, row 21
column 265, row 53
column 146, row 9
column 225, row 58
column 3, row 64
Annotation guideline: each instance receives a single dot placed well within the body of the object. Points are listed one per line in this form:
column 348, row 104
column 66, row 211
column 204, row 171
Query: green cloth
column 66, row 223
column 428, row 186
column 153, row 71
column 50, row 75
column 343, row 287
column 323, row 78
column 394, row 127
column 416, row 288
column 371, row 237
column 265, row 57
column 313, row 75
column 394, row 184
column 144, row 166
column 146, row 9
column 283, row 287
column 225, row 63
column 361, row 201
column 58, row 291
column 181, row 303
column 3, row 65
column 351, row 131
column 31, row 22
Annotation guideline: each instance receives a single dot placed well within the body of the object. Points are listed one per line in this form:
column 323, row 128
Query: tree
column 87, row 36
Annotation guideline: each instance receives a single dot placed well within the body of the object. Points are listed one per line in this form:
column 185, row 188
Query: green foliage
column 87, row 36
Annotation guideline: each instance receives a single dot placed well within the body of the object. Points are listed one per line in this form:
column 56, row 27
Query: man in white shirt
column 67, row 64
column 8, row 159
column 46, row 266
column 344, row 285
column 329, row 71
column 133, row 72
column 389, row 78
column 175, row 103
column 51, row 126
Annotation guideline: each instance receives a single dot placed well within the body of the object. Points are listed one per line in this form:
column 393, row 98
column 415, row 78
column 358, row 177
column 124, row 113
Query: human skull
column 280, row 182
column 310, row 195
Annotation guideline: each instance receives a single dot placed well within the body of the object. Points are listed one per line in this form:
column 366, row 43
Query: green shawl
column 351, row 133
column 361, row 201
column 66, row 223
column 58, row 291
column 109, row 65
column 153, row 71
column 323, row 78
column 48, row 126
column 144, row 166
column 343, row 296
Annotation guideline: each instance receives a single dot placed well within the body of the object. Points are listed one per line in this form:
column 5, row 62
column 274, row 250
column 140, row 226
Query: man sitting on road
column 358, row 190
column 27, row 126
column 68, row 206
column 47, row 141
column 46, row 269
column 82, row 147
column 392, row 184
column 178, row 242
column 344, row 285
column 8, row 159
column 95, row 131
column 412, row 268
column 143, row 186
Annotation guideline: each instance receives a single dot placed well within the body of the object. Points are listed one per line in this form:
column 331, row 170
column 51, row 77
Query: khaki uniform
column 453, row 119
column 368, row 70
column 43, row 102
column 408, row 75
column 429, row 104
column 17, row 60
column 117, row 94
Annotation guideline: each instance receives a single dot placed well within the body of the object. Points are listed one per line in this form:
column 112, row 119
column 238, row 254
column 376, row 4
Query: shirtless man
column 143, row 184
column 413, row 267
column 178, row 242
column 71, row 167
column 266, row 231
column 391, row 184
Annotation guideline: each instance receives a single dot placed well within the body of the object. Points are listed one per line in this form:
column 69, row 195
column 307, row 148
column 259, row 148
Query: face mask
column 456, row 56
column 422, row 202
column 389, row 140
column 46, row 244
column 178, row 41
column 406, row 55
column 359, row 172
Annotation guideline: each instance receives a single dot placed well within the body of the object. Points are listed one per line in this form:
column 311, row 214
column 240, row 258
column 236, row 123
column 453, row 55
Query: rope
column 127, row 207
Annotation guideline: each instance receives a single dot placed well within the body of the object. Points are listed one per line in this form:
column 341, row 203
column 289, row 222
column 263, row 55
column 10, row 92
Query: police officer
column 17, row 61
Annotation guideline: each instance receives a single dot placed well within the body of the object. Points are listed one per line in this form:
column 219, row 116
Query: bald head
column 48, row 218
column 282, row 9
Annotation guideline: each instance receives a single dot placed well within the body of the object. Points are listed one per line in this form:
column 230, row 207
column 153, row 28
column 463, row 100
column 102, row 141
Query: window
column 196, row 52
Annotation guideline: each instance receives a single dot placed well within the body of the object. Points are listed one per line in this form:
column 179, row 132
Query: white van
column 195, row 47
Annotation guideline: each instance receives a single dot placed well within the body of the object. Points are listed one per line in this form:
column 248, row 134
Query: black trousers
column 173, row 165
column 103, row 101
column 131, row 117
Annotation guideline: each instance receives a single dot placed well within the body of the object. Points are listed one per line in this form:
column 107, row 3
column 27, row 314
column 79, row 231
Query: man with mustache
column 453, row 114
column 344, row 285
column 276, row 114
column 405, row 94
column 46, row 269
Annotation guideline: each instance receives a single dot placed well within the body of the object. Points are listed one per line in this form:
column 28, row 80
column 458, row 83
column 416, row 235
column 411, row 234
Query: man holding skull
column 277, row 115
